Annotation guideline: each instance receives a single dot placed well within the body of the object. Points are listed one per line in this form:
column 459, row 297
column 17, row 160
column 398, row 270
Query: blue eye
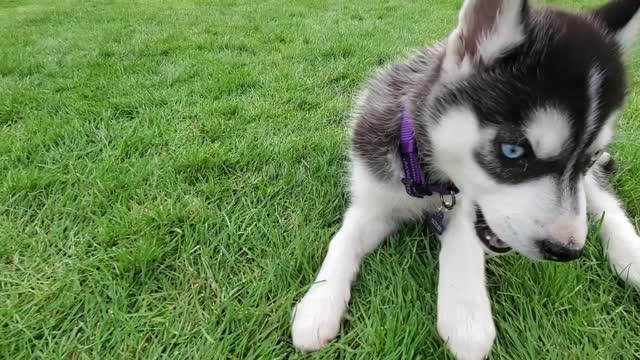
column 512, row 151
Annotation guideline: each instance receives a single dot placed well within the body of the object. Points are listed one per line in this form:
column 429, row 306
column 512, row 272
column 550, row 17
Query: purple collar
column 414, row 179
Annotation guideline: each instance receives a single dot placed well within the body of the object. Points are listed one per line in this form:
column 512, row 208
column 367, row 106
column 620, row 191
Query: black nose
column 554, row 251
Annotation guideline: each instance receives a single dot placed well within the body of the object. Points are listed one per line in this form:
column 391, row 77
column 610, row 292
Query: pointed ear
column 486, row 30
column 621, row 18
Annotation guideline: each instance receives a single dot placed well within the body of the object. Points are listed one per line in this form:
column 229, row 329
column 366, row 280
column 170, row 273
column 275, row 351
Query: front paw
column 625, row 260
column 467, row 328
column 317, row 317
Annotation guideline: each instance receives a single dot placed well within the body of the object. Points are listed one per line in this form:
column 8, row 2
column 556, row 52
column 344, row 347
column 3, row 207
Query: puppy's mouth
column 487, row 236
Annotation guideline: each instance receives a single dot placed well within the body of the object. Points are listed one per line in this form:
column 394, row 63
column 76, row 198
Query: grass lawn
column 172, row 173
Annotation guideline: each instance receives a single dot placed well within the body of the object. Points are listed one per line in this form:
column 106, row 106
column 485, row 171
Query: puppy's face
column 528, row 100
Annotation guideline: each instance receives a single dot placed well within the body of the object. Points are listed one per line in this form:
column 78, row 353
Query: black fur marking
column 551, row 68
column 616, row 14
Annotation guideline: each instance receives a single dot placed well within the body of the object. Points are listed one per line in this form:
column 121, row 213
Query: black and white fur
column 547, row 79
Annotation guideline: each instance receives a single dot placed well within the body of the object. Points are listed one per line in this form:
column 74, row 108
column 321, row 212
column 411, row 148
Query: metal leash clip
column 448, row 205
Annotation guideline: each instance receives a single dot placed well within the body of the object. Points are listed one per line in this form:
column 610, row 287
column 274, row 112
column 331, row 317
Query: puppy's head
column 527, row 99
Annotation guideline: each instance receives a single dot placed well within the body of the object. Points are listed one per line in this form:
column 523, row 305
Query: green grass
column 172, row 172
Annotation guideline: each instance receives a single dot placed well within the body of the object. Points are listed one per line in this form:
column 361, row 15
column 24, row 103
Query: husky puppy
column 497, row 136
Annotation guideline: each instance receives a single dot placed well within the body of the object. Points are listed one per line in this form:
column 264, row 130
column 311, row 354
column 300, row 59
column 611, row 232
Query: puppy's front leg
column 619, row 238
column 464, row 311
column 316, row 318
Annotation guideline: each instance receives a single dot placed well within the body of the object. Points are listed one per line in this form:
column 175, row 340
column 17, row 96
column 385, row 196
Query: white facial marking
column 548, row 132
column 570, row 228
column 533, row 213
column 455, row 140
column 562, row 230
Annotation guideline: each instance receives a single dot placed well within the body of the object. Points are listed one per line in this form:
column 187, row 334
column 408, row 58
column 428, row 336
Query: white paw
column 629, row 273
column 625, row 260
column 467, row 328
column 317, row 317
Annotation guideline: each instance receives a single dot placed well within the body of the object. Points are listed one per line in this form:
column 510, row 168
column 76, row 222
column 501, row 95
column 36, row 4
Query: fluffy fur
column 550, row 81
